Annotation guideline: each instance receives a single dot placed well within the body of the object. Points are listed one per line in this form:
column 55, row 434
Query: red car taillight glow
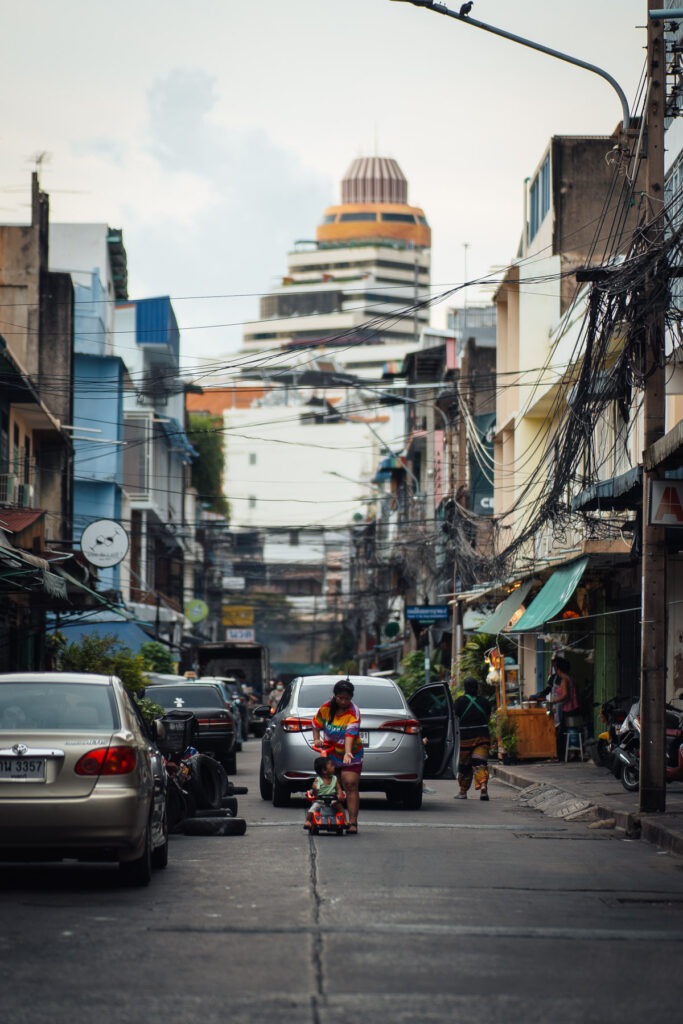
column 408, row 725
column 107, row 761
column 297, row 724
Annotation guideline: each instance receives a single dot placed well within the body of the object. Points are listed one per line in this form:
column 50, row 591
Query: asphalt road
column 463, row 911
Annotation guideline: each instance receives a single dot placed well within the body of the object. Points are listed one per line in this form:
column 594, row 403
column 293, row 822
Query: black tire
column 412, row 798
column 239, row 790
column 281, row 794
column 265, row 785
column 220, row 812
column 230, row 763
column 230, row 804
column 160, row 853
column 139, row 872
column 394, row 795
column 630, row 778
column 206, row 782
column 214, row 827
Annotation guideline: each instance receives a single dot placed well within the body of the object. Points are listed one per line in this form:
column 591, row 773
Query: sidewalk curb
column 650, row 828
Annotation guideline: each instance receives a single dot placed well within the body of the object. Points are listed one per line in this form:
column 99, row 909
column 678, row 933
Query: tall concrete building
column 359, row 288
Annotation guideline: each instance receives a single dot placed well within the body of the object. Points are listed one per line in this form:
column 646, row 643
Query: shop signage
column 244, row 635
column 666, row 503
column 427, row 612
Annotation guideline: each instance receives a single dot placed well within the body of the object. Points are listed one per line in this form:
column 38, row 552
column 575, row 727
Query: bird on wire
column 465, row 9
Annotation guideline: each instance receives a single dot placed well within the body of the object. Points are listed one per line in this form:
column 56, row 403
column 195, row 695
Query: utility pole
column 653, row 616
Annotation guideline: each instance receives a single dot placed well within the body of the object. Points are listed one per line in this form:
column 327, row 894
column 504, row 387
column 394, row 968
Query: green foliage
column 157, row 657
column 205, row 434
column 106, row 655
column 412, row 675
column 471, row 661
column 148, row 708
column 503, row 733
column 340, row 654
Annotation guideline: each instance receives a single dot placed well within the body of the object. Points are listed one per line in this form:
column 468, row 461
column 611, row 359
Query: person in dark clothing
column 474, row 713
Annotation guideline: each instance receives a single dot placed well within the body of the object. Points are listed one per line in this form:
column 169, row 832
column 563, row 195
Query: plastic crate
column 179, row 731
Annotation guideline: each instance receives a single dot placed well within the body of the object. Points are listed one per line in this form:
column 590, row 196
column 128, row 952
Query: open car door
column 432, row 705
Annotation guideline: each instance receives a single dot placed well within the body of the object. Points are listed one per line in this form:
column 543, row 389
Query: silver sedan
column 396, row 760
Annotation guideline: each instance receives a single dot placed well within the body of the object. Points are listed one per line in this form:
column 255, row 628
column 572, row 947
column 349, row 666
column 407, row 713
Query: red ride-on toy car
column 325, row 818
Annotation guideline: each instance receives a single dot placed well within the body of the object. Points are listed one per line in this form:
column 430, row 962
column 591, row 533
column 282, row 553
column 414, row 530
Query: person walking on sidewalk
column 474, row 713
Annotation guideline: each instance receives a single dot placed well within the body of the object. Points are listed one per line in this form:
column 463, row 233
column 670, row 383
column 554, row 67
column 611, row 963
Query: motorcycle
column 603, row 749
column 628, row 751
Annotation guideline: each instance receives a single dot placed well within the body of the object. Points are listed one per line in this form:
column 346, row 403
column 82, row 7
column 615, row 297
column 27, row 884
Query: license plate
column 23, row 769
column 364, row 737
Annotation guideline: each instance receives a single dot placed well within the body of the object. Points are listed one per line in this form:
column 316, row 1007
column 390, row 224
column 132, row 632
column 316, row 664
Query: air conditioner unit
column 8, row 488
column 24, row 495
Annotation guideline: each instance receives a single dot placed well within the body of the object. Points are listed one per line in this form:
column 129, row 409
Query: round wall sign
column 197, row 610
column 104, row 543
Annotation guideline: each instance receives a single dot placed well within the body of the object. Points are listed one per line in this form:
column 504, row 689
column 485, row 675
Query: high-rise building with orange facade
column 359, row 290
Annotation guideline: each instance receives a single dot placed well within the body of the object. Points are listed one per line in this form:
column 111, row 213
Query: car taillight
column 107, row 761
column 297, row 724
column 221, row 722
column 409, row 725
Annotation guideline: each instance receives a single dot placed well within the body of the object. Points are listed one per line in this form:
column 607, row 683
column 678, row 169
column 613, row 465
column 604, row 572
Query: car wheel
column 265, row 785
column 139, row 871
column 160, row 853
column 412, row 798
column 230, row 763
column 281, row 794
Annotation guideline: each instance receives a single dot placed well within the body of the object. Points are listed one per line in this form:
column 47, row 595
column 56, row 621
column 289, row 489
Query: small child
column 325, row 783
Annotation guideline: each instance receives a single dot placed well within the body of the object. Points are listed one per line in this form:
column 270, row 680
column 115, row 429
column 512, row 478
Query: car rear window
column 366, row 695
column 50, row 707
column 186, row 696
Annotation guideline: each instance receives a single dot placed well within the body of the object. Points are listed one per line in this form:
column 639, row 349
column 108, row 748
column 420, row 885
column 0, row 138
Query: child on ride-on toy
column 325, row 786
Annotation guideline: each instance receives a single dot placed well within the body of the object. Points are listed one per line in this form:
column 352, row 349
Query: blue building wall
column 90, row 310
column 155, row 324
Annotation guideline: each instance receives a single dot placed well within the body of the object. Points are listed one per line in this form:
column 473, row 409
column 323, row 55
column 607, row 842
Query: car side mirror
column 262, row 711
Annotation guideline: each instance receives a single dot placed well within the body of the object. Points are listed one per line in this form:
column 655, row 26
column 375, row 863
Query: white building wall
column 280, row 472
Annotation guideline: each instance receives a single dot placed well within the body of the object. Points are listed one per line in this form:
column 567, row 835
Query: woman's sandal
column 352, row 829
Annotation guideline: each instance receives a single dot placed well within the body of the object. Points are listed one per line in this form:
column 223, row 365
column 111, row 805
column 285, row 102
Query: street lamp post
column 653, row 611
column 465, row 19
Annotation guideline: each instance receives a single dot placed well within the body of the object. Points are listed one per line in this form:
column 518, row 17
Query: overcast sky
column 215, row 132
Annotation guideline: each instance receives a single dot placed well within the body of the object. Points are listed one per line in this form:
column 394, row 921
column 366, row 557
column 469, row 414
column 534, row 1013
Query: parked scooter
column 628, row 751
column 603, row 749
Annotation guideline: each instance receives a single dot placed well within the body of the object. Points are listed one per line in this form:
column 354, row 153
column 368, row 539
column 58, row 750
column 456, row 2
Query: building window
column 252, row 458
column 672, row 188
column 539, row 198
column 357, row 216
column 293, row 538
column 399, row 218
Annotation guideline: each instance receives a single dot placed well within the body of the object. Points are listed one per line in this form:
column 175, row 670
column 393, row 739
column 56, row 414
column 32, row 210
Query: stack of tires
column 205, row 804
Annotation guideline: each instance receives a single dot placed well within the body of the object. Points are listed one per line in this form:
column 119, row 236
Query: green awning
column 552, row 597
column 506, row 609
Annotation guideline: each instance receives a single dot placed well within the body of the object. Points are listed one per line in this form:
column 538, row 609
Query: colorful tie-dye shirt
column 346, row 723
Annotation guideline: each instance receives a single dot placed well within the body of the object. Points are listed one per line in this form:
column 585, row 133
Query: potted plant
column 507, row 738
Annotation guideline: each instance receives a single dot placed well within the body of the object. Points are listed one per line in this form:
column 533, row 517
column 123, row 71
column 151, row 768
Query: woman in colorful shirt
column 337, row 722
